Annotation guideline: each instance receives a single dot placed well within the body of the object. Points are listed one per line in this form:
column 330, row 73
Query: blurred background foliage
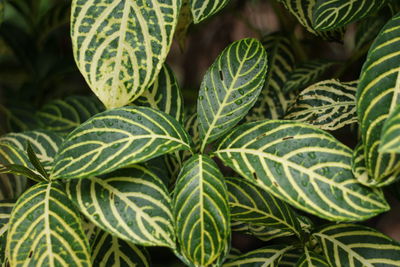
column 37, row 66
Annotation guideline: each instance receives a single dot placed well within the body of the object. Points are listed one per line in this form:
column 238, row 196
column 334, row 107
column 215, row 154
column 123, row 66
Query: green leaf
column 18, row 119
column 230, row 88
column 390, row 141
column 377, row 96
column 203, row 9
column 290, row 258
column 367, row 30
column 311, row 259
column 357, row 245
column 117, row 138
column 63, row 116
column 184, row 22
column 22, row 170
column 35, row 162
column 201, row 211
column 272, row 102
column 45, row 230
column 329, row 15
column 112, row 251
column 5, row 214
column 132, row 204
column 11, row 187
column 45, row 145
column 120, row 46
column 249, row 203
column 303, row 11
column 328, row 105
column 164, row 95
column 302, row 165
column 306, row 74
column 266, row 257
column 260, row 232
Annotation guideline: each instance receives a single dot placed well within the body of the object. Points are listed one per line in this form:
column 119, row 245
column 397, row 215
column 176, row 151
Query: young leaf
column 272, row 102
column 22, row 170
column 63, row 116
column 35, row 162
column 377, row 95
column 203, row 9
column 311, row 259
column 330, row 15
column 117, row 138
column 306, row 74
column 201, row 211
column 45, row 230
column 120, row 45
column 132, row 204
column 266, row 256
column 249, row 203
column 328, row 105
column 164, row 95
column 303, row 166
column 357, row 245
column 230, row 88
column 45, row 145
column 390, row 141
column 303, row 11
column 109, row 250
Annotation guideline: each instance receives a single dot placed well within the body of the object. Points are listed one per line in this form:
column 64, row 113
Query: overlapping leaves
column 302, row 165
column 356, row 245
column 133, row 204
column 118, row 138
column 390, row 141
column 201, row 211
column 120, row 45
column 45, row 230
column 230, row 88
column 377, row 95
column 328, row 105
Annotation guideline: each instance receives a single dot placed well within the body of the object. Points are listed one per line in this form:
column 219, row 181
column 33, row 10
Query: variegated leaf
column 303, row 11
column 201, row 212
column 120, row 46
column 5, row 214
column 63, row 116
column 329, row 15
column 203, row 9
column 45, row 144
column 18, row 119
column 249, row 203
column 303, row 166
column 377, row 95
column 328, row 105
column 164, row 94
column 265, row 257
column 132, row 204
column 290, row 258
column 306, row 74
column 230, row 88
column 367, row 30
column 390, row 140
column 184, row 22
column 11, row 186
column 45, row 230
column 117, row 138
column 358, row 164
column 272, row 102
column 260, row 232
column 109, row 250
column 357, row 245
column 311, row 259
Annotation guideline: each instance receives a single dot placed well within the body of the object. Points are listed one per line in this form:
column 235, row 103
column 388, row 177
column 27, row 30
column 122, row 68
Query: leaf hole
column 255, row 176
column 30, row 254
column 287, row 138
column 221, row 75
column 112, row 195
column 275, row 184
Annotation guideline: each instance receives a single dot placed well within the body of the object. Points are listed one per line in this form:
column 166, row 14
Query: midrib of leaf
column 201, row 192
column 301, row 168
column 226, row 97
column 47, row 225
column 269, row 215
column 339, row 104
column 350, row 252
column 336, row 12
column 115, row 247
column 396, row 93
column 121, row 38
